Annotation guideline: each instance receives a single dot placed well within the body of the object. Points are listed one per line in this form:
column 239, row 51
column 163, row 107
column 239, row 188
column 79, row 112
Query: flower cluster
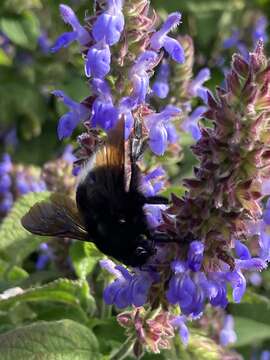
column 239, row 41
column 15, row 181
column 119, row 59
column 209, row 229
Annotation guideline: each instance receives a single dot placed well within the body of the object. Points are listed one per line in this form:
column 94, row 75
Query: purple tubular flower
column 127, row 289
column 188, row 293
column 104, row 113
column 196, row 87
column 44, row 257
column 259, row 31
column 195, row 255
column 22, row 185
column 5, row 183
column 179, row 323
column 139, row 76
column 232, row 40
column 161, row 132
column 227, row 335
column 160, row 39
column 110, row 25
column 5, row 164
column 242, row 251
column 68, row 154
column 126, row 106
column 70, row 120
column 6, row 203
column 265, row 355
column 98, row 61
column 161, row 85
column 190, row 124
column 79, row 33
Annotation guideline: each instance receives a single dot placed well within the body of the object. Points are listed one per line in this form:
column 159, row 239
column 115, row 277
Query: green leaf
column 15, row 242
column 250, row 331
column 10, row 275
column 22, row 31
column 84, row 257
column 65, row 339
column 70, row 292
column 4, row 58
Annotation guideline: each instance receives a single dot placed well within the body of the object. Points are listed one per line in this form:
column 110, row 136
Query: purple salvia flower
column 5, row 164
column 259, row 31
column 44, row 43
column 196, row 88
column 160, row 39
column 154, row 215
column 265, row 355
column 195, row 255
column 139, row 76
column 232, row 41
column 22, row 185
column 79, row 33
column 190, row 124
column 110, row 24
column 70, row 120
column 179, row 323
column 104, row 113
column 227, row 335
column 98, row 60
column 68, row 154
column 242, row 251
column 151, row 183
column 160, row 130
column 161, row 85
column 127, row 289
column 44, row 257
column 255, row 279
column 6, row 203
column 5, row 183
column 126, row 106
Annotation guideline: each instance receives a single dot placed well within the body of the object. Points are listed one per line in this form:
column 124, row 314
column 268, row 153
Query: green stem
column 124, row 350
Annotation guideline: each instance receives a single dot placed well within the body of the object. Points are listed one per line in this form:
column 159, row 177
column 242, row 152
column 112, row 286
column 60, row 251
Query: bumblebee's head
column 142, row 252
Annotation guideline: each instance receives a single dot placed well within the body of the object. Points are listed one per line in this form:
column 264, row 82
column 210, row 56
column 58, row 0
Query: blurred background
column 29, row 113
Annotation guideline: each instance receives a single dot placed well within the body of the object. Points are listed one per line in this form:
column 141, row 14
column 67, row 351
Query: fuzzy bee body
column 108, row 209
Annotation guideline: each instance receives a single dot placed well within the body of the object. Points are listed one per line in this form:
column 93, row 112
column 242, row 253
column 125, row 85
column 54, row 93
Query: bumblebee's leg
column 162, row 238
column 137, row 147
column 156, row 200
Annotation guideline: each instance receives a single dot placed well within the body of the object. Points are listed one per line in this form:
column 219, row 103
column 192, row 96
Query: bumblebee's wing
column 58, row 216
column 110, row 159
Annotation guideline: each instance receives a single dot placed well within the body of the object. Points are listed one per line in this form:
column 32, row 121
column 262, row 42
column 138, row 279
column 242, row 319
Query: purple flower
column 179, row 323
column 151, row 183
column 79, row 33
column 195, row 255
column 5, row 183
column 70, row 120
column 259, row 31
column 265, row 355
column 160, row 39
column 98, row 60
column 5, row 164
column 104, row 113
column 44, row 257
column 161, row 85
column 232, row 41
column 126, row 106
column 139, row 76
column 255, row 279
column 128, row 288
column 196, row 87
column 44, row 43
column 190, row 124
column 68, row 154
column 227, row 335
column 185, row 291
column 161, row 132
column 110, row 24
column 6, row 203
